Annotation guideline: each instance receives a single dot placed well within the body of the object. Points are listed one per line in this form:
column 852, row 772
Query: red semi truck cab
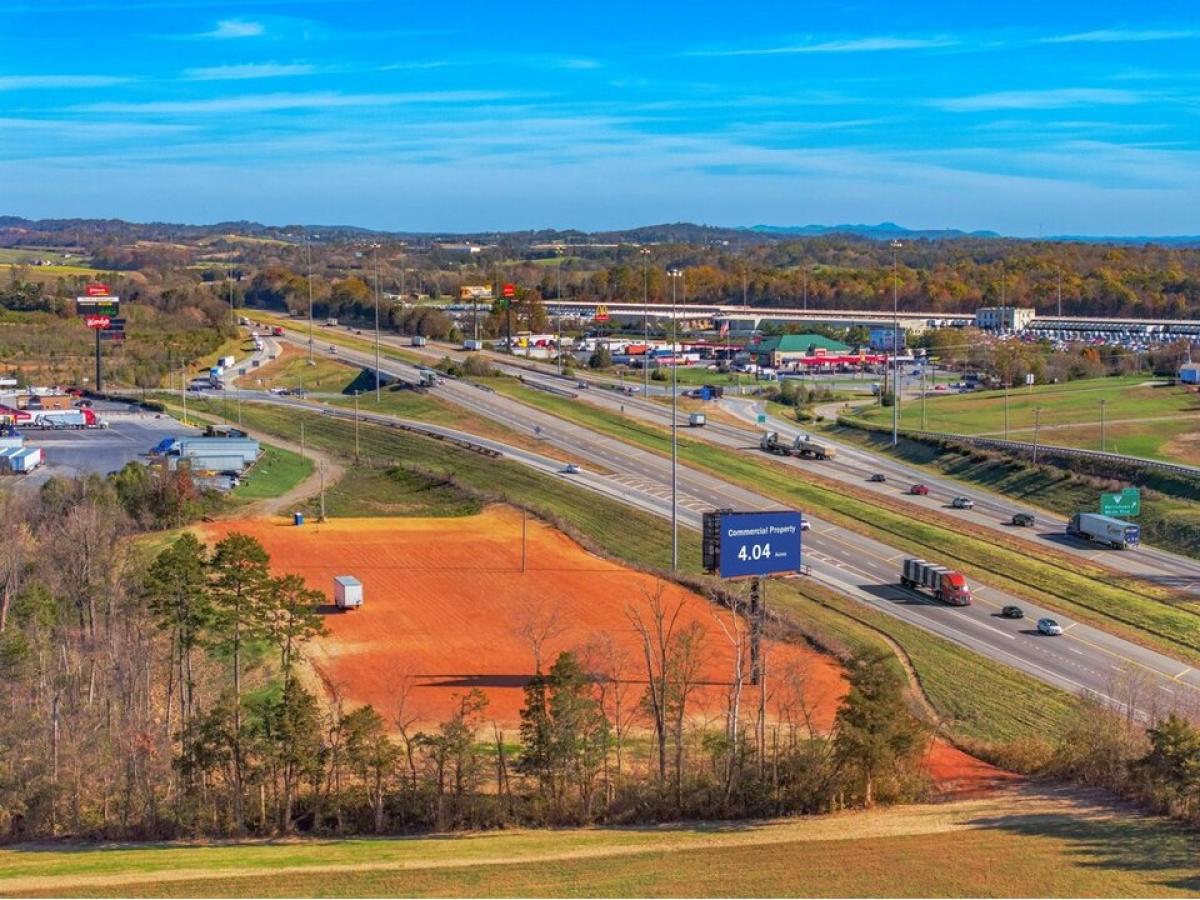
column 945, row 584
column 277, row 331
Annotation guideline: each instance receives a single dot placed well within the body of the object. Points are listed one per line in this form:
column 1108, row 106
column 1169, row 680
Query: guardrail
column 547, row 388
column 1038, row 449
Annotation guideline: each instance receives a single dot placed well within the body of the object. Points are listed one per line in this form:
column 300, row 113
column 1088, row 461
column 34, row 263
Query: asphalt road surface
column 1085, row 658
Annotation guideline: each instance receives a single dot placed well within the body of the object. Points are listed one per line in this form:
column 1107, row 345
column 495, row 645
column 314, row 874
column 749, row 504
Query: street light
column 675, row 274
column 308, row 267
column 645, row 253
column 558, row 251
column 375, row 252
column 896, row 245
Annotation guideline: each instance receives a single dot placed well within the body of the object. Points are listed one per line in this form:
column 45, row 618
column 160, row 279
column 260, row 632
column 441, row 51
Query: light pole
column 356, row 393
column 1006, row 410
column 558, row 303
column 1101, row 426
column 645, row 252
column 308, row 268
column 896, row 343
column 1037, row 421
column 375, row 251
column 675, row 274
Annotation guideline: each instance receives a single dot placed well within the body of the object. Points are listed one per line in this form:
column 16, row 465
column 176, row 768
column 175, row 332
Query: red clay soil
column 446, row 602
column 959, row 774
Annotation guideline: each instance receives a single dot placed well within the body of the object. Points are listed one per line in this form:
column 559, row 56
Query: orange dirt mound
column 445, row 602
column 959, row 774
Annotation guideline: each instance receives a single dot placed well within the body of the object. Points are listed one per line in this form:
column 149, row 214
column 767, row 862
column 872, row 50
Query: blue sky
column 1027, row 118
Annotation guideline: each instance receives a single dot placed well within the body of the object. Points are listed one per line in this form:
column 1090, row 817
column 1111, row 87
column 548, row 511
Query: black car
column 1025, row 520
column 878, row 476
column 1012, row 612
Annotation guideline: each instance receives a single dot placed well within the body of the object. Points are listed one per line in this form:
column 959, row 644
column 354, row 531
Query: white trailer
column 347, row 592
column 1117, row 533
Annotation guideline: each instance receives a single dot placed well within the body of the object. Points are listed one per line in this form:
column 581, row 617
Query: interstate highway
column 854, row 465
column 1085, row 658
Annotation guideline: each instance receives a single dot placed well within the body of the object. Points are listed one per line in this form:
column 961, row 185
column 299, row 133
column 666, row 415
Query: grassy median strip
column 1133, row 610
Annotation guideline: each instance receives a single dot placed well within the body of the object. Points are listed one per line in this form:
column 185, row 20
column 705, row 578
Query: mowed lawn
column 1019, row 843
column 1141, row 419
column 291, row 370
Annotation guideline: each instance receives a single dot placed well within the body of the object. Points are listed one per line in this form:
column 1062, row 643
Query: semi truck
column 214, row 375
column 945, row 584
column 1118, row 534
column 69, row 418
column 803, row 445
column 472, row 345
column 277, row 331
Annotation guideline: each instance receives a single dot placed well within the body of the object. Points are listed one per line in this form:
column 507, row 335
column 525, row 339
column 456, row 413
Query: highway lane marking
column 1181, row 674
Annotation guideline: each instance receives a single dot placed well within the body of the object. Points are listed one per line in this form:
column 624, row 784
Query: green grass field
column 365, row 491
column 1011, row 845
column 293, row 371
column 276, row 472
column 1140, row 420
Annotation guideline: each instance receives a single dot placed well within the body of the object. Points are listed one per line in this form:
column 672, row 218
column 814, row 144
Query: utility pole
column 1006, row 410
column 524, row 541
column 378, row 380
column 923, row 396
column 308, row 256
column 321, row 468
column 675, row 274
column 1101, row 426
column 356, row 393
column 182, row 391
column 895, row 343
column 302, row 439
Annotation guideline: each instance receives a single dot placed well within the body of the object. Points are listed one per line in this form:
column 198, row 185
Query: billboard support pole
column 757, row 607
column 99, row 386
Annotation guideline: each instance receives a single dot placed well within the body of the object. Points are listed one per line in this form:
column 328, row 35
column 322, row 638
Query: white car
column 805, row 525
column 1049, row 627
column 571, row 469
column 962, row 503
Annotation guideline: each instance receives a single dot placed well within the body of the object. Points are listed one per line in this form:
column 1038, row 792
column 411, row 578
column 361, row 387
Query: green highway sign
column 1128, row 502
column 762, row 418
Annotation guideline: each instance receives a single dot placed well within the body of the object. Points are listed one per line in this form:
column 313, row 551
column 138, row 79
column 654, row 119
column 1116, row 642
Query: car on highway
column 962, row 503
column 878, row 477
column 571, row 469
column 1049, row 627
column 581, row 385
column 805, row 525
column 1023, row 519
column 919, row 490
column 1012, row 612
column 940, row 387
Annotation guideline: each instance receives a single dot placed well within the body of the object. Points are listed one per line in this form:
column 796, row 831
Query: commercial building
column 775, row 352
column 1004, row 318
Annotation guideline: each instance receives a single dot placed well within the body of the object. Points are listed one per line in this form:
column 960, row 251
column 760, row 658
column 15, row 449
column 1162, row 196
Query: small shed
column 347, row 592
column 1189, row 373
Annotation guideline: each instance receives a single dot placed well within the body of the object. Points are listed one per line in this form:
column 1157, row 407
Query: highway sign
column 762, row 419
column 749, row 544
column 112, row 335
column 1128, row 502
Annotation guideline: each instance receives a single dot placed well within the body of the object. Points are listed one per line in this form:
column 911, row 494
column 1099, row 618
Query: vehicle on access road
column 805, row 525
column 878, row 478
column 1023, row 519
column 919, row 490
column 1049, row 627
column 962, row 503
column 1012, row 612
column 571, row 469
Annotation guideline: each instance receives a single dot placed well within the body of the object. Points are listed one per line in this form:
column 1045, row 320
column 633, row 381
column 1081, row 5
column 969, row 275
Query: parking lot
column 72, row 452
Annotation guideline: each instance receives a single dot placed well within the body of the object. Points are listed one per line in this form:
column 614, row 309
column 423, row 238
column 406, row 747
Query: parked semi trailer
column 69, row 418
column 945, row 584
column 1116, row 533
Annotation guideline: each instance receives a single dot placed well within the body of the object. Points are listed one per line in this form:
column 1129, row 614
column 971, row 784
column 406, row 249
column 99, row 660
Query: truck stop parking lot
column 129, row 436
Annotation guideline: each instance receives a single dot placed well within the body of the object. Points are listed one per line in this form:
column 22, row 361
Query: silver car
column 1049, row 627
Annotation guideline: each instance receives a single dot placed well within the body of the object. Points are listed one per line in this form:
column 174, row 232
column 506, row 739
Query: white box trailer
column 1117, row 533
column 347, row 592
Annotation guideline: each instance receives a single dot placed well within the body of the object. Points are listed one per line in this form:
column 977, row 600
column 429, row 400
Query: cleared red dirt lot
column 446, row 605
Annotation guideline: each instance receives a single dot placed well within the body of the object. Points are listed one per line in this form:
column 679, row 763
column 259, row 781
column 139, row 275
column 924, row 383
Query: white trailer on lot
column 347, row 592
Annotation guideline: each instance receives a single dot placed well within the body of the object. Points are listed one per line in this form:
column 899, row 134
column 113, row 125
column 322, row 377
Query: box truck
column 1116, row 533
column 347, row 592
column 696, row 420
column 945, row 584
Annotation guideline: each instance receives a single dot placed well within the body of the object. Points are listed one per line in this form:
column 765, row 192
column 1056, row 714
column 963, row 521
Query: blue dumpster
column 298, row 518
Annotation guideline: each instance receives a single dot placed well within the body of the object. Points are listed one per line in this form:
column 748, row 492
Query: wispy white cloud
column 851, row 45
column 248, row 103
column 248, row 71
column 31, row 82
column 1053, row 98
column 235, row 28
column 1121, row 36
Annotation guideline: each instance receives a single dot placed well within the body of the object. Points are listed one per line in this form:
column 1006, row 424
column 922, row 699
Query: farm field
column 1025, row 842
column 1141, row 418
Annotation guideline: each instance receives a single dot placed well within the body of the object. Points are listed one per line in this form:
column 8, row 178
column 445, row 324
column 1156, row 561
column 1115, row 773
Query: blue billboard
column 759, row 543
